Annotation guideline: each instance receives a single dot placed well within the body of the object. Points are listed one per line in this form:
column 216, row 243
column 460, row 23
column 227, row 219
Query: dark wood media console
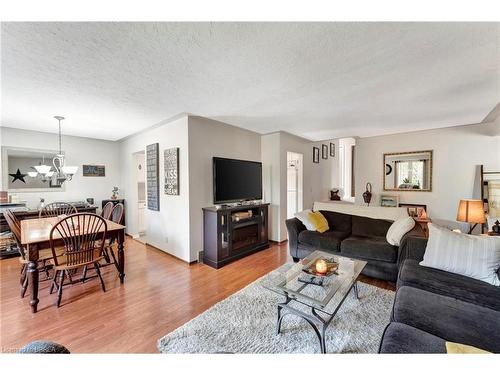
column 227, row 237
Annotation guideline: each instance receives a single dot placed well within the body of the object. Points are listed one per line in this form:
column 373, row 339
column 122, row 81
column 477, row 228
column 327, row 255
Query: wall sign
column 171, row 165
column 152, row 177
column 94, row 170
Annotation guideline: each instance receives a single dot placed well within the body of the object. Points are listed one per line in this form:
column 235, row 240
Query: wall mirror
column 19, row 173
column 408, row 171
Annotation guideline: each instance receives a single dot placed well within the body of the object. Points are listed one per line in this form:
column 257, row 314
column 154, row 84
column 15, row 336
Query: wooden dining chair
column 43, row 255
column 106, row 211
column 83, row 236
column 116, row 216
column 57, row 209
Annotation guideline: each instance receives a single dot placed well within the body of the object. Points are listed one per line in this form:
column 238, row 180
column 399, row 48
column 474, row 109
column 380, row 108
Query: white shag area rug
column 245, row 322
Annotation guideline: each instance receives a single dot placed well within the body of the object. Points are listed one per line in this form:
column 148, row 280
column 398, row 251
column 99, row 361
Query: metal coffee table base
column 317, row 322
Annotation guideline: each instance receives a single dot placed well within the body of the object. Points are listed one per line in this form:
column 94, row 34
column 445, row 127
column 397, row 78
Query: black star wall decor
column 18, row 176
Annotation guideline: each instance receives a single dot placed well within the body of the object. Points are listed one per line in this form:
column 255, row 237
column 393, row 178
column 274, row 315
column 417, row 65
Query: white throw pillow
column 398, row 229
column 303, row 216
column 469, row 255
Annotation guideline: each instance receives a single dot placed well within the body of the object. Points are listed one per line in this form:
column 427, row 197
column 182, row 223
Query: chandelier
column 62, row 171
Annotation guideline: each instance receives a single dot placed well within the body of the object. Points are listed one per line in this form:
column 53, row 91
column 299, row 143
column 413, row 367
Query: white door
column 142, row 221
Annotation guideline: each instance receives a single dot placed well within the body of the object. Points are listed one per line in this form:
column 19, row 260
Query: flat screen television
column 236, row 180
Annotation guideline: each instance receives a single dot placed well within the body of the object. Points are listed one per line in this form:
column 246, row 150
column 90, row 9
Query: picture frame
column 415, row 210
column 332, row 149
column 315, row 155
column 389, row 200
column 171, row 169
column 92, row 170
column 153, row 176
column 324, row 151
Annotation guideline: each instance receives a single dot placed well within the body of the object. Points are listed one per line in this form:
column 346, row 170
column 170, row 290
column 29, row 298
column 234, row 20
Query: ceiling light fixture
column 63, row 172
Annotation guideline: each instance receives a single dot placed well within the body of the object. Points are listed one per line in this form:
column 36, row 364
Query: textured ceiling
column 318, row 80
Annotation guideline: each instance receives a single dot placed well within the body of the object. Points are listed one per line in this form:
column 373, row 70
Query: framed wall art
column 324, row 151
column 171, row 166
column 332, row 149
column 315, row 155
column 389, row 200
column 415, row 210
column 152, row 176
column 90, row 170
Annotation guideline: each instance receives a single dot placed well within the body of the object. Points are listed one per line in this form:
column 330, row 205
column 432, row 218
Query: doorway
column 139, row 177
column 294, row 172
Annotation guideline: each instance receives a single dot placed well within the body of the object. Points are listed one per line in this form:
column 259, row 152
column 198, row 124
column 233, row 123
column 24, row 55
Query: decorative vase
column 496, row 228
column 41, row 205
column 367, row 195
column 334, row 195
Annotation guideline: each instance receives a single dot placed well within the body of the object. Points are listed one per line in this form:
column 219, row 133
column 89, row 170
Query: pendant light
column 63, row 172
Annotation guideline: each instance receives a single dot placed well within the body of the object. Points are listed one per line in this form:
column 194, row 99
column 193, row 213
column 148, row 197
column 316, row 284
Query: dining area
column 63, row 247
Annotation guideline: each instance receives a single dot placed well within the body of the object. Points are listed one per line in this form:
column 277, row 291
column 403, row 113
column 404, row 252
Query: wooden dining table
column 35, row 235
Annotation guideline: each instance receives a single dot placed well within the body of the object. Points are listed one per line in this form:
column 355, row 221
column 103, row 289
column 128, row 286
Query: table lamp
column 471, row 211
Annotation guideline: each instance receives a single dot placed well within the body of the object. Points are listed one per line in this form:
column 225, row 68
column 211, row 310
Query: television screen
column 236, row 180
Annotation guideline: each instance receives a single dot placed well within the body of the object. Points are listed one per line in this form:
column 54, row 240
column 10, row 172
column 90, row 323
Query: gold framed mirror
column 408, row 171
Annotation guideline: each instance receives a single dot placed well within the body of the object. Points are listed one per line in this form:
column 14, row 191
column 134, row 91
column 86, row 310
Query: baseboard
column 172, row 255
column 278, row 242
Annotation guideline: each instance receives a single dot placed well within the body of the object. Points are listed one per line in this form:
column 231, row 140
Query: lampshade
column 471, row 211
column 42, row 169
column 67, row 169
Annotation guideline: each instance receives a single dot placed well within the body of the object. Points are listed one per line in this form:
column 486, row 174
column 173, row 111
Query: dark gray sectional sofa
column 351, row 236
column 433, row 306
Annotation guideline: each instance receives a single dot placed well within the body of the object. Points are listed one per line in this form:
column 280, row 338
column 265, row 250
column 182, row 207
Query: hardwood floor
column 160, row 293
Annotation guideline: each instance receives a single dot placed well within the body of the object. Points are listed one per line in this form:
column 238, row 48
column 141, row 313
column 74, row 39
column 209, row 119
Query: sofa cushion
column 303, row 216
column 469, row 255
column 318, row 222
column 449, row 284
column 329, row 240
column 375, row 248
column 365, row 226
column 401, row 338
column 448, row 318
column 337, row 221
column 398, row 229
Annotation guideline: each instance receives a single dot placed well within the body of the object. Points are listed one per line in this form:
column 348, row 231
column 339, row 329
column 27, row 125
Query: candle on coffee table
column 321, row 266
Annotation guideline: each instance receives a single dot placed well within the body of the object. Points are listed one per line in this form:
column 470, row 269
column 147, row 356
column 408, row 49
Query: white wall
column 271, row 184
column 78, row 151
column 318, row 178
column 209, row 138
column 457, row 152
column 167, row 229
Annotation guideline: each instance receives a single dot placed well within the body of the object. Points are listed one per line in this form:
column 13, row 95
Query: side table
column 423, row 224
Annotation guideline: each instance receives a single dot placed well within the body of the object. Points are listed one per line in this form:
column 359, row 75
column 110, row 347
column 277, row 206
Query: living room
column 250, row 188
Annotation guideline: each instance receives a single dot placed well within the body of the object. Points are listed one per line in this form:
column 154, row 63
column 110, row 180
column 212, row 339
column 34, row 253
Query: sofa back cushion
column 338, row 222
column 365, row 226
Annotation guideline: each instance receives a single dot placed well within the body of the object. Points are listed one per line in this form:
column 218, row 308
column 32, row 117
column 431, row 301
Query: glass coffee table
column 316, row 304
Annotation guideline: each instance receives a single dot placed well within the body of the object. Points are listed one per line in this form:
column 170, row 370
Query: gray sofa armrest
column 294, row 226
column 412, row 246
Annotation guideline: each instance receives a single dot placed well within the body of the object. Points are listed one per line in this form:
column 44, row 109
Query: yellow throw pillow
column 318, row 221
column 456, row 348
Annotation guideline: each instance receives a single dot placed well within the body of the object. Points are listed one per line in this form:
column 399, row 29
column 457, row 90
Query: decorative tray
column 331, row 266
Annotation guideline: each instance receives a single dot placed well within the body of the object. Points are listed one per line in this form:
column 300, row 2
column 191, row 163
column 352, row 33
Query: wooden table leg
column 33, row 276
column 121, row 255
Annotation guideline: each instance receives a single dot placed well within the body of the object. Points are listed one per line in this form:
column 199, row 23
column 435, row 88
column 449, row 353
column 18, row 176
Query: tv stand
column 231, row 233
